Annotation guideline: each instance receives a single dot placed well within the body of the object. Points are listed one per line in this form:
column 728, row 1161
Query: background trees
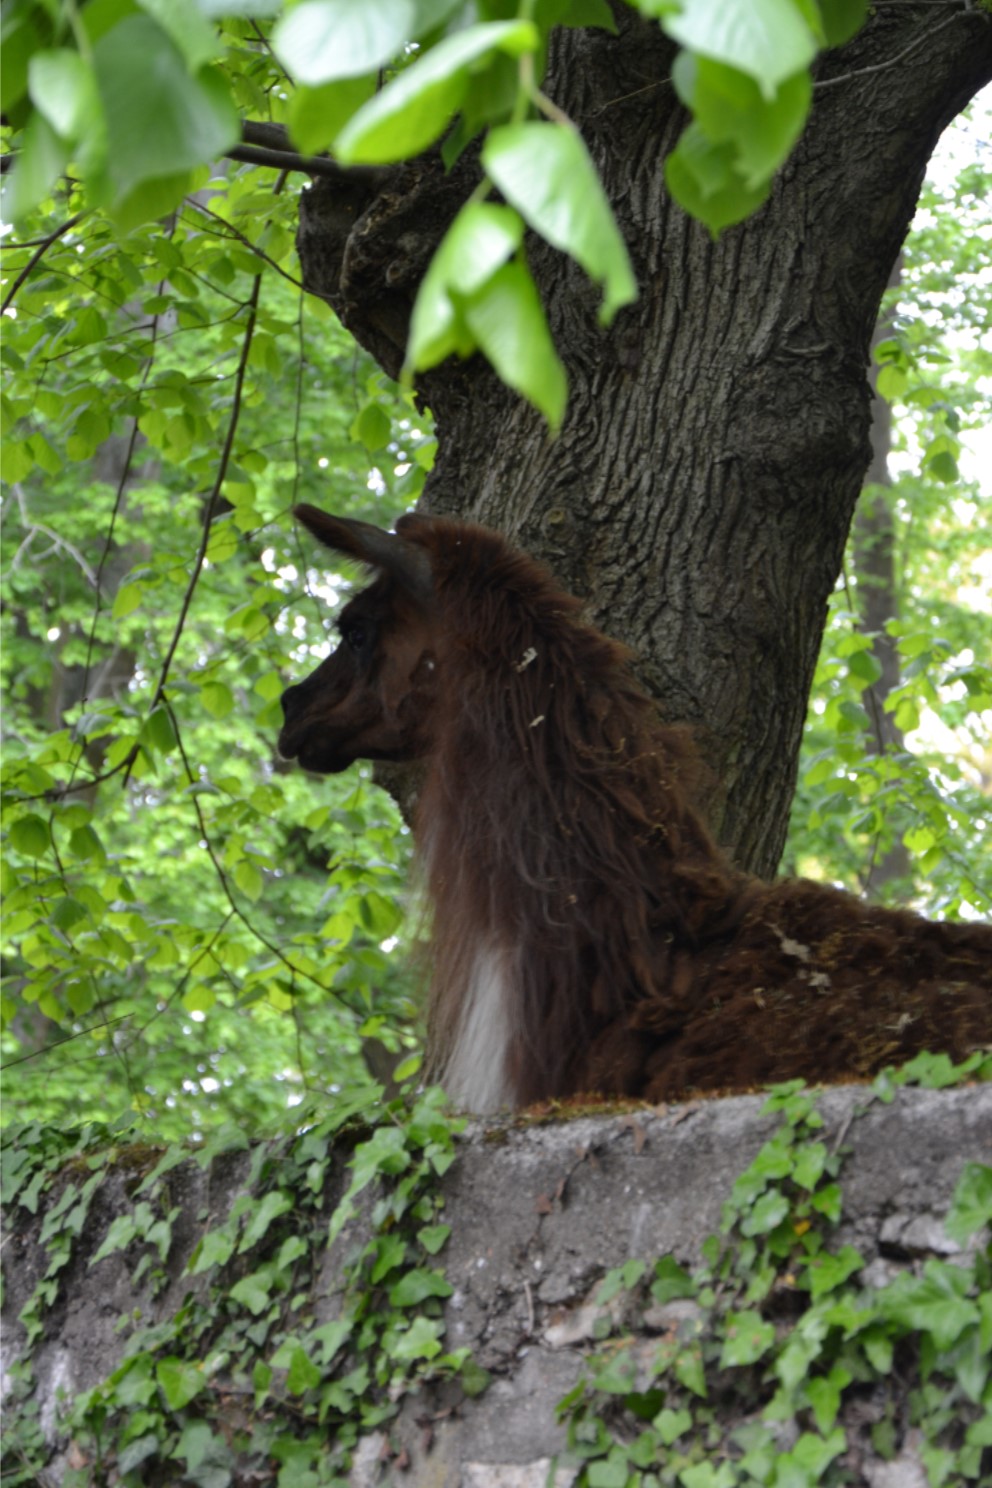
column 215, row 936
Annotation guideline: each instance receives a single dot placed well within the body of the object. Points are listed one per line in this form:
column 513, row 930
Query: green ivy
column 244, row 1346
column 746, row 1384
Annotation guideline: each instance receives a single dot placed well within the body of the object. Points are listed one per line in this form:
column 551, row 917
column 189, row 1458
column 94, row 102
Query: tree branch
column 268, row 144
column 39, row 253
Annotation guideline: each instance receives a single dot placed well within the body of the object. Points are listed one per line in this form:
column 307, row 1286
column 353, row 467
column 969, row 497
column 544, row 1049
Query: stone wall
column 538, row 1214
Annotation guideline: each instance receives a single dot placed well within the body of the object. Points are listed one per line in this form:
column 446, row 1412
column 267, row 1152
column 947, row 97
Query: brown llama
column 588, row 934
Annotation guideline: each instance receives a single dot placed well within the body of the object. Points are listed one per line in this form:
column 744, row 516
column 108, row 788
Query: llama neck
column 564, row 862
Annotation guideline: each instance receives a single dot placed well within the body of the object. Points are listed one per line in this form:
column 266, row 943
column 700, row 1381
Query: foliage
column 247, row 1367
column 779, row 1328
column 854, row 803
column 166, row 879
column 245, row 1344
column 191, row 932
column 141, row 138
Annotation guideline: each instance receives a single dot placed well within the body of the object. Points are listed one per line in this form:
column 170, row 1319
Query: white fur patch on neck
column 475, row 1076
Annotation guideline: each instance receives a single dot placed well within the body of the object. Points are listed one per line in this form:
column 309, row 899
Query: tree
column 170, row 394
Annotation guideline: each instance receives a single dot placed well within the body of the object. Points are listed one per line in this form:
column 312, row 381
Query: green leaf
column 323, row 40
column 274, row 1204
column 331, row 1337
column 824, row 1394
column 433, row 1237
column 249, row 879
column 317, row 115
column 811, row 1160
column 40, row 161
column 943, row 467
column 689, row 1371
column 414, row 1286
column 180, row 1382
column 478, row 242
column 932, row 1303
column 842, row 19
column 767, row 1212
column 185, row 24
column 372, row 427
column 63, row 88
column 122, row 1231
column 162, row 121
column 215, row 1249
column 217, row 699
column 671, row 1424
column 730, row 108
column 748, row 1338
column 768, row 39
column 971, row 1203
column 671, row 1280
column 420, row 1341
column 825, row 1272
column 545, row 171
column 253, row 1292
column 507, row 320
column 413, row 109
column 30, row 835
column 303, row 1372
column 703, row 179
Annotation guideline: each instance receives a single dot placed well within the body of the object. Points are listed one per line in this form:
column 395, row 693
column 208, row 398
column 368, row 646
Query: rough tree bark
column 700, row 493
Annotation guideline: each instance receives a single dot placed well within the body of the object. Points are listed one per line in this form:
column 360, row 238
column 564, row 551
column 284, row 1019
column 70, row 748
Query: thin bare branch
column 38, row 254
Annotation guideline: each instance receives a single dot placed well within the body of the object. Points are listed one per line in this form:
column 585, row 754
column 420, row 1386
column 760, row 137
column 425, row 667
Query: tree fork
column 700, row 493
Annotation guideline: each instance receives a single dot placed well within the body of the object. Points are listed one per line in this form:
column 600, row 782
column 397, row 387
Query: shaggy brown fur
column 588, row 934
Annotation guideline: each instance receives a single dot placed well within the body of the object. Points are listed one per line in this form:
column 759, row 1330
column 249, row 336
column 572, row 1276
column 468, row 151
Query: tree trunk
column 878, row 602
column 701, row 490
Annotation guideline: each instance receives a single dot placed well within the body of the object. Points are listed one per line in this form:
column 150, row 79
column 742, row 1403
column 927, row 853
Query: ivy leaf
column 748, row 1338
column 414, row 1286
column 217, row 699
column 433, row 1237
column 671, row 1281
column 545, row 171
column 825, row 1272
column 768, row 1211
column 420, row 1341
column 412, row 110
column 971, row 1203
column 932, row 1303
column 671, row 1424
column 122, row 1231
column 303, row 1372
column 824, row 1394
column 253, row 1292
column 274, row 1204
column 180, row 1382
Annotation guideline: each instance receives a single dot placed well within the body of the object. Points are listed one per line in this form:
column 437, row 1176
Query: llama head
column 373, row 696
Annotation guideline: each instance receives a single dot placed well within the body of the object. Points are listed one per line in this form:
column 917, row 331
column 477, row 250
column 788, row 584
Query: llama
column 588, row 935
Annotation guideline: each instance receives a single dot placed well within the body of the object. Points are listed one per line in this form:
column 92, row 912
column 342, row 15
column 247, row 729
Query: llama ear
column 404, row 561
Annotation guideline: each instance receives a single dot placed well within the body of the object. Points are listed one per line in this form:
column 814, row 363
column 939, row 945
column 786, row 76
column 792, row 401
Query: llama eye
column 355, row 634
